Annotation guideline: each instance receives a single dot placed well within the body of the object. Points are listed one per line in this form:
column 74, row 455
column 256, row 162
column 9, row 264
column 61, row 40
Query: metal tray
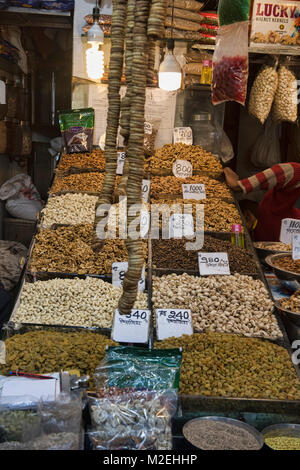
column 282, row 274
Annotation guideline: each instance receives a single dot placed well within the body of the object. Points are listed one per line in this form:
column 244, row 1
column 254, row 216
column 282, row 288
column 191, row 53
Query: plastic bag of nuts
column 285, row 102
column 263, row 92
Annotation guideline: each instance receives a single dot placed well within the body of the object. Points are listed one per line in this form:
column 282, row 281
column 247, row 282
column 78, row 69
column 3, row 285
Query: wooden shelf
column 30, row 17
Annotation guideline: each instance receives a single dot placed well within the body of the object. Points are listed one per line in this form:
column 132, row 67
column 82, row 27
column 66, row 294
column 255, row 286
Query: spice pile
column 200, row 159
column 229, row 304
column 93, row 160
column 85, row 182
column 216, row 364
column 69, row 209
column 86, row 302
column 283, row 442
column 172, row 254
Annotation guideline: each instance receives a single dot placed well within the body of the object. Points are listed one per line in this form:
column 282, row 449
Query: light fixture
column 169, row 74
column 94, row 56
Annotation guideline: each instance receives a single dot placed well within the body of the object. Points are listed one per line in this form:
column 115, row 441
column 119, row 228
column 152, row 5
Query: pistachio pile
column 229, row 304
column 170, row 185
column 87, row 302
column 85, row 182
column 69, row 209
column 217, row 364
column 45, row 351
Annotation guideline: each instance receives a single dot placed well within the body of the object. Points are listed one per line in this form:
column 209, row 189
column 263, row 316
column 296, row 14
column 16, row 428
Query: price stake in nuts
column 181, row 225
column 183, row 135
column 289, row 227
column 132, row 328
column 182, row 169
column 213, row 263
column 145, row 190
column 194, row 191
column 118, row 271
column 120, row 162
column 173, row 322
column 296, row 247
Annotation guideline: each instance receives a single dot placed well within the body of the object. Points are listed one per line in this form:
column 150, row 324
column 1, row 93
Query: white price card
column 132, row 328
column 181, row 225
column 145, row 223
column 2, row 92
column 182, row 169
column 120, row 162
column 288, row 228
column 118, row 271
column 296, row 247
column 183, row 135
column 193, row 191
column 213, row 263
column 145, row 190
column 173, row 322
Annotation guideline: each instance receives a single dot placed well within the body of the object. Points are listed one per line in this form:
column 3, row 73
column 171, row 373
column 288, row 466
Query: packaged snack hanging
column 230, row 64
column 77, row 128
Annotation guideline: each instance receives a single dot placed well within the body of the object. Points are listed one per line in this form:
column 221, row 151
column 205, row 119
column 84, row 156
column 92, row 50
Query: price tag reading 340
column 132, row 328
column 173, row 322
column 182, row 169
column 193, row 191
column 183, row 135
column 213, row 263
column 118, row 271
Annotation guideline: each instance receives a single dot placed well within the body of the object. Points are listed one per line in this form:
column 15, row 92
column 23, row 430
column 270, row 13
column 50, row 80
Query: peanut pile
column 95, row 159
column 85, row 182
column 169, row 185
column 262, row 93
column 229, row 304
column 285, row 102
column 69, row 209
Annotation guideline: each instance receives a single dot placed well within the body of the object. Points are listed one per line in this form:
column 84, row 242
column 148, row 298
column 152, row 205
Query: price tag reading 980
column 213, row 263
column 132, row 328
column 173, row 322
column 118, row 271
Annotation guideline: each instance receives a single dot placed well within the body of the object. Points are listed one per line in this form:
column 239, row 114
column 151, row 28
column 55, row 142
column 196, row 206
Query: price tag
column 213, row 263
column 173, row 322
column 288, row 228
column 145, row 190
column 132, row 328
column 183, row 135
column 182, row 169
column 145, row 223
column 296, row 247
column 118, row 271
column 120, row 162
column 181, row 225
column 2, row 92
column 194, row 191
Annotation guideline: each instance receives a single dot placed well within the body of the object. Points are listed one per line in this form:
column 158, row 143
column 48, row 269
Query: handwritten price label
column 118, row 271
column 213, row 263
column 173, row 322
column 296, row 247
column 145, row 190
column 193, row 191
column 120, row 162
column 132, row 328
column 183, row 135
column 182, row 169
column 181, row 225
column 289, row 227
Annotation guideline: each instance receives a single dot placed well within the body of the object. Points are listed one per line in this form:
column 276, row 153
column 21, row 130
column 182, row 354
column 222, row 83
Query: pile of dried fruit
column 172, row 254
column 229, row 304
column 169, row 185
column 85, row 182
column 86, row 302
column 92, row 160
column 200, row 159
column 217, row 364
column 45, row 351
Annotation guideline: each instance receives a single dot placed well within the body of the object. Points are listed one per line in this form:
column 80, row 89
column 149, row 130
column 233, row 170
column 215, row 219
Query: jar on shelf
column 206, row 73
column 205, row 132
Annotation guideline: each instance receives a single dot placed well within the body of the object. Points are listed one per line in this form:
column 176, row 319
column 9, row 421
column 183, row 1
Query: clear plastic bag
column 263, row 92
column 134, row 420
column 266, row 151
column 230, row 64
column 286, row 97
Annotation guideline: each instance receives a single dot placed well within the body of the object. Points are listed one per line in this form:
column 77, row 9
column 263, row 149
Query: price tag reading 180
column 132, row 328
column 213, row 263
column 173, row 322
column 182, row 169
column 118, row 271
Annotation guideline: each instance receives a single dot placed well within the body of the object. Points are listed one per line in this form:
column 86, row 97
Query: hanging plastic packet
column 233, row 11
column 77, row 128
column 230, row 64
column 266, row 150
column 285, row 107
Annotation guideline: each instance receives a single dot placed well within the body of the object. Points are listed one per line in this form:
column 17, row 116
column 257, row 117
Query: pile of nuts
column 262, row 93
column 86, row 302
column 216, row 364
column 53, row 441
column 69, row 209
column 85, row 182
column 69, row 250
column 95, row 159
column 286, row 99
column 219, row 216
column 292, row 303
column 229, row 304
column 200, row 159
column 167, row 185
column 172, row 255
column 45, row 351
column 274, row 246
column 286, row 263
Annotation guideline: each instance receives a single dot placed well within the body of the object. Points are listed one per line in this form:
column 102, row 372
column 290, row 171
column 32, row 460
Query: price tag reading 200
column 173, row 322
column 132, row 328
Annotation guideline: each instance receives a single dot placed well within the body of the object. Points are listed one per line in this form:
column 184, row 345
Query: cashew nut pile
column 69, row 209
column 88, row 302
column 229, row 304
column 285, row 102
column 263, row 93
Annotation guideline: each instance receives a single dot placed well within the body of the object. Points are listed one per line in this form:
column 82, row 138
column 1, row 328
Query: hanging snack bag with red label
column 230, row 64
